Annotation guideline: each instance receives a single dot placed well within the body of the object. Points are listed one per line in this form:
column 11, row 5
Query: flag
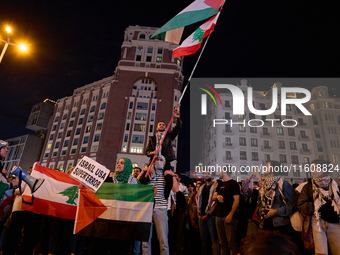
column 57, row 196
column 193, row 42
column 115, row 211
column 197, row 11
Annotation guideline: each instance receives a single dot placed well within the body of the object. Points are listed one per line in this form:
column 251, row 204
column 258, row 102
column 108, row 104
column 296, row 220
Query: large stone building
column 295, row 147
column 114, row 117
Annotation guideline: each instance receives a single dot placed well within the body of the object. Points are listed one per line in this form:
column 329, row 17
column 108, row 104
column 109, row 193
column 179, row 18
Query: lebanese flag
column 115, row 211
column 191, row 45
column 57, row 196
column 197, row 11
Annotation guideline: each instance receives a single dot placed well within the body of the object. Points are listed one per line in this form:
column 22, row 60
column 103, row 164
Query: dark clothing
column 306, row 205
column 167, row 149
column 227, row 189
column 205, row 197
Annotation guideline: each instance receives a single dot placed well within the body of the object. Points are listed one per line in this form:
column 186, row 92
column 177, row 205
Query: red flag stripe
column 59, row 176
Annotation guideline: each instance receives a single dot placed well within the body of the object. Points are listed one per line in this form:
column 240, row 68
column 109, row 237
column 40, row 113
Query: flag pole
column 194, row 68
column 179, row 101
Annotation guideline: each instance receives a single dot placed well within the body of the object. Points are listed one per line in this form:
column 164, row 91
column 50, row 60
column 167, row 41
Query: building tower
column 114, row 117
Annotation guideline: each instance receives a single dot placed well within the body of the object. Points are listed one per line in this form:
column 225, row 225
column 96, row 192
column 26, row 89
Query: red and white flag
column 192, row 43
column 57, row 196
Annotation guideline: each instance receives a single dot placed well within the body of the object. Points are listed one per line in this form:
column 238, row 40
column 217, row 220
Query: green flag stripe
column 184, row 19
column 3, row 187
column 126, row 192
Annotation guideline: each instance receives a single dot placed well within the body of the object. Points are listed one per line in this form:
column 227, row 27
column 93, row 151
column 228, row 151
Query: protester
column 320, row 198
column 167, row 148
column 227, row 197
column 206, row 214
column 136, row 171
column 160, row 218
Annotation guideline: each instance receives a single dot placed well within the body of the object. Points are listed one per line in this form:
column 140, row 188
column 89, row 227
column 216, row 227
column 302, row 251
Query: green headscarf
column 123, row 176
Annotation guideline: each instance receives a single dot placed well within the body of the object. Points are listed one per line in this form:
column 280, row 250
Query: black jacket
column 167, row 149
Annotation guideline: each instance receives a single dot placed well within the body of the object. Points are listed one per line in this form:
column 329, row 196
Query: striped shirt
column 159, row 182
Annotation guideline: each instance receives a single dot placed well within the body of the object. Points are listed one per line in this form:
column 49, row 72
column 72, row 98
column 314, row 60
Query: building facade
column 247, row 142
column 114, row 117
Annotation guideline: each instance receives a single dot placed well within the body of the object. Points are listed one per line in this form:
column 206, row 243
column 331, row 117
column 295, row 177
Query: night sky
column 74, row 43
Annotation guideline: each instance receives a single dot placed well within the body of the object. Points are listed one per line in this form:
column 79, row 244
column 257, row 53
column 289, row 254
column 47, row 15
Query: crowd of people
column 214, row 215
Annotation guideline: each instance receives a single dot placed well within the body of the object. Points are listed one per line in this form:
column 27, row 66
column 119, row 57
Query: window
column 253, row 129
column 266, row 158
column 55, row 153
column 152, row 118
column 71, row 123
column 138, row 138
column 131, row 105
column 282, row 145
column 54, row 127
column 103, row 106
column 73, row 114
column 49, row 146
column 226, row 103
column 63, row 153
column 96, row 138
column 73, row 151
column 160, row 51
column 82, row 112
column 83, row 149
column 135, row 149
column 56, row 119
column 75, row 141
column 100, row 116
column 93, row 108
column 78, row 131
column 142, row 106
column 241, row 128
column 60, row 134
column 151, row 128
column 227, row 115
column 291, row 132
column 62, row 125
column 292, row 145
column 126, row 137
column 94, row 148
column 66, row 143
column 90, row 118
column 283, row 158
column 46, row 155
column 139, row 127
column 265, row 131
column 158, row 59
column 80, row 121
column 148, row 58
column 255, row 156
column 253, row 142
column 243, row 155
column 65, row 116
column 304, row 147
column 57, row 144
column 142, row 36
column 228, row 141
column 228, row 154
column 88, row 129
column 140, row 116
column 86, row 139
column 295, row 159
column 153, row 107
column 242, row 141
column 51, row 137
column 266, row 144
column 94, row 98
column 99, row 126
column 127, row 126
column 279, row 131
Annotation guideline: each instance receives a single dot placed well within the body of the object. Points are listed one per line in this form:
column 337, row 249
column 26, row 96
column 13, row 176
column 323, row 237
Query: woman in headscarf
column 320, row 198
column 123, row 172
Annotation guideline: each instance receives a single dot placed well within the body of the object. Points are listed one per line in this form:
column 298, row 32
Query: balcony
column 305, row 152
column 265, row 135
column 303, row 138
column 266, row 148
column 228, row 146
column 228, row 132
column 228, row 160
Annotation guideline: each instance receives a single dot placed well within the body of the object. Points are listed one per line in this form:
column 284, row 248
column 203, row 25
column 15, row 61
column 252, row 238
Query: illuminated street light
column 22, row 47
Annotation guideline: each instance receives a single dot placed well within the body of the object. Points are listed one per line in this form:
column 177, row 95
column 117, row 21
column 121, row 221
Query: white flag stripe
column 127, row 211
column 50, row 192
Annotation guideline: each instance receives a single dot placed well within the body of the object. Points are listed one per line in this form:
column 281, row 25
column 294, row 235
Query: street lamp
column 21, row 46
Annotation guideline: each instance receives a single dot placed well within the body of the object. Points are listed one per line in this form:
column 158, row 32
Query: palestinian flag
column 193, row 42
column 197, row 11
column 115, row 211
column 57, row 196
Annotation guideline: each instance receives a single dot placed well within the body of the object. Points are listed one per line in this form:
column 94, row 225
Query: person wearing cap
column 160, row 217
